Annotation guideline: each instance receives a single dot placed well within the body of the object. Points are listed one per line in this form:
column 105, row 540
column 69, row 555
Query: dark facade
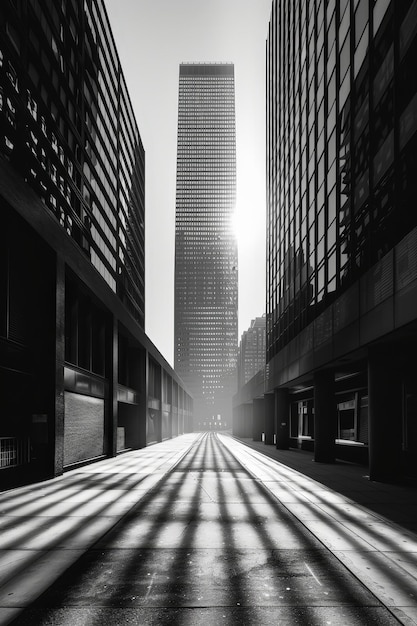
column 251, row 354
column 206, row 272
column 80, row 379
column 340, row 373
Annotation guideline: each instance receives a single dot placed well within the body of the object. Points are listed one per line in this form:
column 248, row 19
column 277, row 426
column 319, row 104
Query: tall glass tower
column 206, row 272
column 342, row 231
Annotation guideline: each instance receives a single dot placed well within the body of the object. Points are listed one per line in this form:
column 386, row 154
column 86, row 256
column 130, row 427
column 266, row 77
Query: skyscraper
column 340, row 375
column 79, row 379
column 342, row 230
column 251, row 355
column 206, row 272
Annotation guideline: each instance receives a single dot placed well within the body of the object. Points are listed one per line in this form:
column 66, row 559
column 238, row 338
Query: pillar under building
column 269, row 418
column 282, row 419
column 385, row 415
column 247, row 420
column 258, row 419
column 325, row 417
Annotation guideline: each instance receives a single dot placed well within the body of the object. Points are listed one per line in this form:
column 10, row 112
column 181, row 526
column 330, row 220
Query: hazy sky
column 153, row 37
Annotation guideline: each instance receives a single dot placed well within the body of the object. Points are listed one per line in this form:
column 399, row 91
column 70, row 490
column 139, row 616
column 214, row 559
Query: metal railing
column 13, row 452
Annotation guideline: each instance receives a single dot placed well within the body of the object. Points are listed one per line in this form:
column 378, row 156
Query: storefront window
column 346, row 414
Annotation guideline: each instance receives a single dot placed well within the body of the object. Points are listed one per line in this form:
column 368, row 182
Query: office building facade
column 252, row 351
column 340, row 374
column 206, row 271
column 80, row 379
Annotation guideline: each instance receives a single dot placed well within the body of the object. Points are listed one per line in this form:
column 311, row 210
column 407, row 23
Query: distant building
column 206, row 271
column 341, row 375
column 79, row 378
column 251, row 355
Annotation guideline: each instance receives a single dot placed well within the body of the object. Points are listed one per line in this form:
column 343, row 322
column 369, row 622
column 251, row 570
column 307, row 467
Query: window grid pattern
column 206, row 272
column 340, row 155
column 69, row 128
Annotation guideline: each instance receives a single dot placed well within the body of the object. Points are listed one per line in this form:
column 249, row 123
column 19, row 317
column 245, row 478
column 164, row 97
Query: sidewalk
column 368, row 526
column 46, row 527
column 219, row 534
column 398, row 503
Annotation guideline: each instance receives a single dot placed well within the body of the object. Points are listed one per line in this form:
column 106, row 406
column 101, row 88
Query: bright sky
column 153, row 37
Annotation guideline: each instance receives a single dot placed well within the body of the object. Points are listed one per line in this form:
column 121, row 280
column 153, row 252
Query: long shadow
column 49, row 488
column 52, row 544
column 45, row 522
column 326, row 561
column 351, row 593
column 44, row 507
column 80, row 575
column 179, row 564
column 237, row 592
column 207, row 454
column 364, row 496
column 406, row 587
column 79, row 523
column 390, row 544
column 79, row 481
column 133, row 570
column 239, row 589
column 184, row 585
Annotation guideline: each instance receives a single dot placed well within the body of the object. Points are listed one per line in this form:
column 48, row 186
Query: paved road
column 209, row 544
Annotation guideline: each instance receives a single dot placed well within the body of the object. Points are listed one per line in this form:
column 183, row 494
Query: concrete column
column 158, row 413
column 282, row 418
column 141, row 370
column 175, row 407
column 58, row 463
column 143, row 398
column 236, row 421
column 269, row 418
column 130, row 417
column 385, row 415
column 258, row 418
column 112, row 403
column 189, row 417
column 180, row 411
column 172, row 424
column 159, row 419
column 249, row 420
column 325, row 416
column 246, row 420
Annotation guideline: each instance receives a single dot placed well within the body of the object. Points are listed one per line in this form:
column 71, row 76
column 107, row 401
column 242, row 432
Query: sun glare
column 241, row 226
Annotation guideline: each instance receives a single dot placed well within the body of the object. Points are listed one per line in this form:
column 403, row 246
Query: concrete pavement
column 46, row 527
column 396, row 502
column 199, row 529
column 348, row 518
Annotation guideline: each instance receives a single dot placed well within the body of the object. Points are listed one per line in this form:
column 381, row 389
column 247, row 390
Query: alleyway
column 197, row 530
